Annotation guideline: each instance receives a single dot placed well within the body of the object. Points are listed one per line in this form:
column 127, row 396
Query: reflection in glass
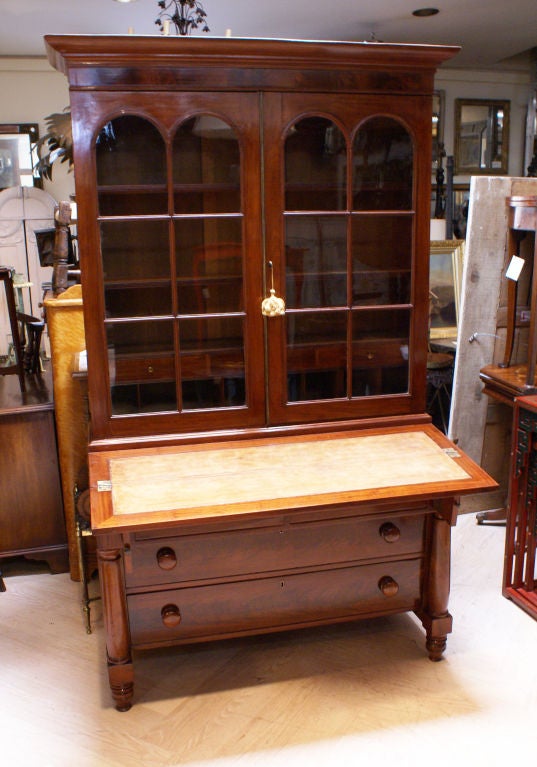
column 380, row 352
column 315, row 166
column 141, row 366
column 316, row 355
column 212, row 362
column 382, row 166
column 316, row 261
column 206, row 167
column 131, row 168
column 209, row 265
column 381, row 259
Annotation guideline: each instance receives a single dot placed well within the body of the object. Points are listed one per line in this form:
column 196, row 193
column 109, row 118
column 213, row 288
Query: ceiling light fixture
column 125, row 1
column 185, row 15
column 425, row 12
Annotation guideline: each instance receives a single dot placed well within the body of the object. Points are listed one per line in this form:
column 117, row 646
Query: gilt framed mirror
column 445, row 280
column 481, row 137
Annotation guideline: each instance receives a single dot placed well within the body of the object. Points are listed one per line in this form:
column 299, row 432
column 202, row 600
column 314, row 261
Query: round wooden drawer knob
column 166, row 558
column 388, row 586
column 390, row 532
column 171, row 616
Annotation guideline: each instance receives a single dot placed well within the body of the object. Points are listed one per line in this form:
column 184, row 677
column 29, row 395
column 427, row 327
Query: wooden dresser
column 31, row 510
column 253, row 221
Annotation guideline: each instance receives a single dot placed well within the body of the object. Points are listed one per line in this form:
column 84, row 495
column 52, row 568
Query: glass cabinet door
column 172, row 209
column 344, row 260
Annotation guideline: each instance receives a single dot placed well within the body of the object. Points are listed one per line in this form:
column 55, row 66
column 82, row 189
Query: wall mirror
column 445, row 279
column 481, row 137
column 18, row 154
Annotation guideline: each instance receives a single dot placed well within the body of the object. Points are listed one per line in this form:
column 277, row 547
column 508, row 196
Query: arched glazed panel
column 131, row 168
column 382, row 166
column 206, row 166
column 315, row 165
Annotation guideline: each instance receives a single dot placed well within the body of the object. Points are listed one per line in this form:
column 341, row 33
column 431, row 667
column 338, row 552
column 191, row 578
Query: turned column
column 120, row 669
column 434, row 615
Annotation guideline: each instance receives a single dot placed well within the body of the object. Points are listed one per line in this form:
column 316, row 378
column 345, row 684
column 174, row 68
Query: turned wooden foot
column 121, row 684
column 435, row 647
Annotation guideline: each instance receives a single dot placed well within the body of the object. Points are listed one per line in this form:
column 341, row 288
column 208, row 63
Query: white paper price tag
column 515, row 268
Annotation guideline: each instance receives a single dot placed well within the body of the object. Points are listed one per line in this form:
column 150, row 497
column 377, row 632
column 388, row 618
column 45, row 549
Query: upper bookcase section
column 138, row 62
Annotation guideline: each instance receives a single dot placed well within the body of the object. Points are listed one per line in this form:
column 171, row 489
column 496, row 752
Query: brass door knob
column 166, row 558
column 171, row 616
column 388, row 586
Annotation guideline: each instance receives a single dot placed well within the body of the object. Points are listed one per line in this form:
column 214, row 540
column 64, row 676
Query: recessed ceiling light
column 125, row 1
column 425, row 12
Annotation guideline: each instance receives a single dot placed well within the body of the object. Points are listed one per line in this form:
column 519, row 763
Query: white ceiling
column 491, row 32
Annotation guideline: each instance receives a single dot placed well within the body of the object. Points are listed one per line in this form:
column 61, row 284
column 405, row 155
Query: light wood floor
column 363, row 694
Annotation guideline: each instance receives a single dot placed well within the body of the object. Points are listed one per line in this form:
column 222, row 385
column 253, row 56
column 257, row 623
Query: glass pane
column 381, row 259
column 136, row 268
column 382, row 166
column 380, row 352
column 131, row 168
column 141, row 366
column 316, row 261
column 209, row 265
column 315, row 166
column 212, row 363
column 316, row 355
column 132, row 301
column 206, row 167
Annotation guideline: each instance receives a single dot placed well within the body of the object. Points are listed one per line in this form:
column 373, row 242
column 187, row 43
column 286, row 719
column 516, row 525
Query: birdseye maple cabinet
column 253, row 221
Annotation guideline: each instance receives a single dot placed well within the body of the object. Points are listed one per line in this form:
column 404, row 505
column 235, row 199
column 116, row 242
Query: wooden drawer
column 138, row 369
column 226, row 364
column 273, row 603
column 378, row 353
column 273, row 548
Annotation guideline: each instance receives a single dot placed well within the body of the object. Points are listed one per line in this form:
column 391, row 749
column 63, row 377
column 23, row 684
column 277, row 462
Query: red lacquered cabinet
column 253, row 221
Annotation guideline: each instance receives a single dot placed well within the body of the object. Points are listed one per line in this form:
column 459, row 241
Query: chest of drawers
column 201, row 542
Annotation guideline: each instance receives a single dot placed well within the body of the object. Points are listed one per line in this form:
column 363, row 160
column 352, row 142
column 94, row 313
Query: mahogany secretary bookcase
column 253, row 221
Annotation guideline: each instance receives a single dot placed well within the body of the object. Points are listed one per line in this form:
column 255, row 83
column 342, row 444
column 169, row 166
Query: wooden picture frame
column 445, row 279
